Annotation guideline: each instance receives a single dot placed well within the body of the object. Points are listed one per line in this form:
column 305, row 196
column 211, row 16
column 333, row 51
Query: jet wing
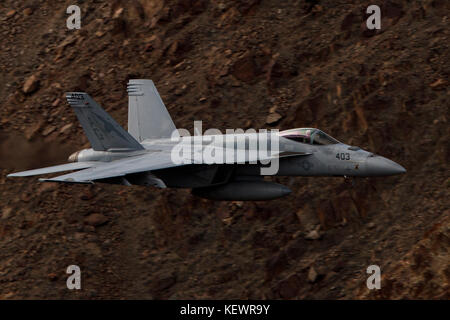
column 59, row 168
column 147, row 162
column 153, row 160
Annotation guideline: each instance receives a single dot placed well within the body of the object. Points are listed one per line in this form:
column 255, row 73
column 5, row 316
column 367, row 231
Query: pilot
column 308, row 136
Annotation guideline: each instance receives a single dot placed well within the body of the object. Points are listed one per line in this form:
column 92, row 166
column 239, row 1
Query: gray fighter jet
column 154, row 153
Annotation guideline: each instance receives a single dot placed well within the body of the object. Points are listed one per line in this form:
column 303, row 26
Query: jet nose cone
column 380, row 166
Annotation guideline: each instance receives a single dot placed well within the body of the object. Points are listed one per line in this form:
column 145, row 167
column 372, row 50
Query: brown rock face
column 95, row 220
column 28, row 11
column 275, row 265
column 429, row 261
column 312, row 235
column 244, row 69
column 230, row 64
column 10, row 13
column 31, row 84
column 273, row 118
column 312, row 275
column 288, row 287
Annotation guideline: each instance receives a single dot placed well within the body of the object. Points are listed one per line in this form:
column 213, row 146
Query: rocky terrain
column 232, row 64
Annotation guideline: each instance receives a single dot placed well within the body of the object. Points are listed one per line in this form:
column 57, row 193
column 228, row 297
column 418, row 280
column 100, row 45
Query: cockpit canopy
column 308, row 135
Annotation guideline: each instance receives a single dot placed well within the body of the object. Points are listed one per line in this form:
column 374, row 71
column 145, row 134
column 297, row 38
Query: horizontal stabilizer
column 118, row 168
column 53, row 169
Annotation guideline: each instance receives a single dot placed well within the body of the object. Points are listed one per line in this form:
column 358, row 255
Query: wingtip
column 14, row 175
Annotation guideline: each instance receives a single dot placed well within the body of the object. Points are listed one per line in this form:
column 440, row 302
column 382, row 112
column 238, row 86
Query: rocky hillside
column 232, row 64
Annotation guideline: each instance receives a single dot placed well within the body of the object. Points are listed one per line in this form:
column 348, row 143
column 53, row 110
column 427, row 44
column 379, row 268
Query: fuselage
column 297, row 157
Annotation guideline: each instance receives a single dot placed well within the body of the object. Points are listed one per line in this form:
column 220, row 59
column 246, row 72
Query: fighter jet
column 154, row 153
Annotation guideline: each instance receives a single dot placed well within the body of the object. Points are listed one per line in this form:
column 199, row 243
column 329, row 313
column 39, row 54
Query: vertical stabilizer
column 147, row 114
column 101, row 130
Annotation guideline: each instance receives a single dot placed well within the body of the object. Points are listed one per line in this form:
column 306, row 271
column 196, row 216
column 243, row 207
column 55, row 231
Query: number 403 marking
column 343, row 156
